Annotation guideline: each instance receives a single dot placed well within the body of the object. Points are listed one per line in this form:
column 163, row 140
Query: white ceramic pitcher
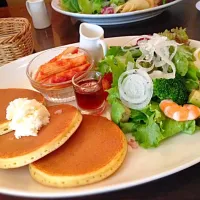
column 38, row 12
column 91, row 39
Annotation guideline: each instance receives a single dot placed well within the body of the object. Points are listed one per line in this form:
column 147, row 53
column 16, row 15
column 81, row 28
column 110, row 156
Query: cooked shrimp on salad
column 154, row 86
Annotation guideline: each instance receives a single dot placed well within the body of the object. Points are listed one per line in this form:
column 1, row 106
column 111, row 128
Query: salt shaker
column 38, row 12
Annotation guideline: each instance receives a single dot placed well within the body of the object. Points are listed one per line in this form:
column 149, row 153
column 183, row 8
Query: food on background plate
column 110, row 6
column 9, row 95
column 14, row 153
column 155, row 70
column 63, row 67
column 93, row 153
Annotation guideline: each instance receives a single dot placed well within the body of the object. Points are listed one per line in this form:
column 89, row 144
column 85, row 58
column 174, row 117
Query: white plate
column 115, row 19
column 140, row 166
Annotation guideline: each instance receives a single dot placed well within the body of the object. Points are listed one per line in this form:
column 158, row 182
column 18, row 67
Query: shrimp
column 179, row 113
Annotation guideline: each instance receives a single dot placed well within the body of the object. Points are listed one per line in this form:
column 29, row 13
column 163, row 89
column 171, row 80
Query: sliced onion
column 133, row 42
column 135, row 88
column 130, row 65
column 155, row 50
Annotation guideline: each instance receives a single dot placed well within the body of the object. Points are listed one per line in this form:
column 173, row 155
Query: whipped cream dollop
column 26, row 116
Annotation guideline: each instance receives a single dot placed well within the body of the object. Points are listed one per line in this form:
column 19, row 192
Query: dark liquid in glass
column 89, row 95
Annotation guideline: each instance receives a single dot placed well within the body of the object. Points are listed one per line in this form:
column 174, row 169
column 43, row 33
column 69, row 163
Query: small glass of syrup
column 89, row 92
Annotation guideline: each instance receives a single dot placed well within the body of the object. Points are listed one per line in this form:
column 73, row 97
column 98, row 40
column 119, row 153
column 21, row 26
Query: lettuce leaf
column 181, row 63
column 149, row 134
column 119, row 112
column 117, row 2
column 113, row 94
column 117, row 67
column 193, row 72
column 128, row 127
column 191, row 85
column 97, row 6
column 172, row 127
column 150, row 126
column 182, row 59
column 85, row 6
column 178, row 34
column 115, row 64
column 115, row 51
column 70, row 5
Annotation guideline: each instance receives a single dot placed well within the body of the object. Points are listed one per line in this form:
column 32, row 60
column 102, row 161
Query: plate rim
column 116, row 15
column 102, row 189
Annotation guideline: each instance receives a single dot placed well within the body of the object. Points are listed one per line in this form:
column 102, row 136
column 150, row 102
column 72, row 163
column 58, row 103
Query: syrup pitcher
column 91, row 39
column 38, row 12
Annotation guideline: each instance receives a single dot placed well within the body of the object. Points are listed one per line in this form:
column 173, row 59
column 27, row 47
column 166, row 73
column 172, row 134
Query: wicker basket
column 15, row 39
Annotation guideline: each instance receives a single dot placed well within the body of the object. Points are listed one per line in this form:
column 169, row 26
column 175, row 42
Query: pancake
column 8, row 95
column 93, row 153
column 64, row 121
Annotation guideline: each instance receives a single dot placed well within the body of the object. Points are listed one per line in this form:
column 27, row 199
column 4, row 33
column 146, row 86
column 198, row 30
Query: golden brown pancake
column 64, row 120
column 94, row 152
column 8, row 95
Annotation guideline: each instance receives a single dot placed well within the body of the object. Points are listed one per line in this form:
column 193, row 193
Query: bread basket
column 15, row 39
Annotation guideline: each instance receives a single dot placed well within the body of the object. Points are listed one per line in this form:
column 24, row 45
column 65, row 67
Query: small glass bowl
column 55, row 92
column 88, row 89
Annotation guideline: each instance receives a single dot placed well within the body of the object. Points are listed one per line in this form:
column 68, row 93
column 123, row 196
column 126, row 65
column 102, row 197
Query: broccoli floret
column 174, row 89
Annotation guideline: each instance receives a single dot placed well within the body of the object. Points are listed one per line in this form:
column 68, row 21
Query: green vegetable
column 128, row 127
column 194, row 98
column 138, row 117
column 172, row 127
column 85, row 6
column 193, row 72
column 191, row 85
column 97, row 6
column 70, row 5
column 152, row 129
column 150, row 126
column 116, row 61
column 103, row 67
column 115, row 64
column 186, row 51
column 117, row 67
column 119, row 112
column 149, row 134
column 173, row 89
column 117, row 2
column 115, row 51
column 113, row 94
column 181, row 63
column 178, row 34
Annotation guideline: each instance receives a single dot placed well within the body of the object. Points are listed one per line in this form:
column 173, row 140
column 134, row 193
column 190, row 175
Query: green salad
column 108, row 6
column 154, row 86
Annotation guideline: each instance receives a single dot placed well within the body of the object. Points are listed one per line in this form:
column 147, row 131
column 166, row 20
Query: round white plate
column 140, row 166
column 115, row 19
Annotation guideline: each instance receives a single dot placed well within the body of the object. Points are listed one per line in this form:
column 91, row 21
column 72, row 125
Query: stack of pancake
column 72, row 150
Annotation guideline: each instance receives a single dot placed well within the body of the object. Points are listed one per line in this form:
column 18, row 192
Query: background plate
column 140, row 166
column 115, row 19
